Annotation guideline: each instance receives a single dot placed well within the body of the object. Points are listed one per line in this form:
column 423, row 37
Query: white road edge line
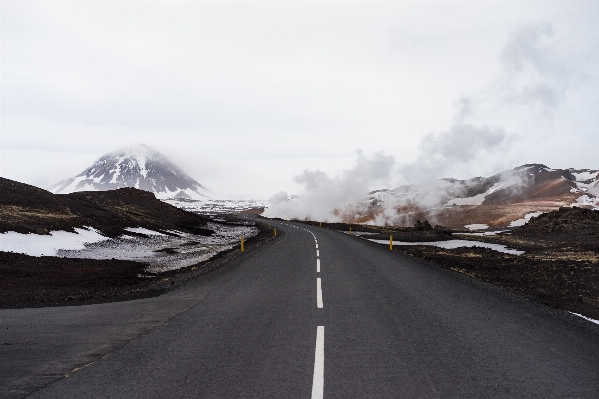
column 317, row 253
column 317, row 265
column 318, row 293
column 316, row 245
column 318, row 380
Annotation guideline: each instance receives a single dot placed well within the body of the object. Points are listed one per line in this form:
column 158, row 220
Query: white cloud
column 272, row 88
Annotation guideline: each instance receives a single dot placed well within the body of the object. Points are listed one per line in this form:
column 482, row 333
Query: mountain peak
column 137, row 166
column 136, row 150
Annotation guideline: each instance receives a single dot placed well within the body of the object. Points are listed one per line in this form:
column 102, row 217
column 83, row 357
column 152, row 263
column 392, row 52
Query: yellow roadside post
column 269, row 225
column 320, row 224
column 390, row 243
column 242, row 249
column 275, row 231
column 349, row 229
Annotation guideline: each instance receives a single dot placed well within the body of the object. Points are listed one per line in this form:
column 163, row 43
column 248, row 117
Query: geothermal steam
column 533, row 78
column 334, row 198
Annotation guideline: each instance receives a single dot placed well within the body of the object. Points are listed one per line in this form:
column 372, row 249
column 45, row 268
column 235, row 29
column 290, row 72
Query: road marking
column 317, row 265
column 316, row 245
column 318, row 380
column 317, row 253
column 318, row 293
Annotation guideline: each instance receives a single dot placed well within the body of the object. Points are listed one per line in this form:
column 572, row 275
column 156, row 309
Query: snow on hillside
column 479, row 198
column 138, row 166
column 48, row 244
column 585, row 175
column 587, row 183
column 525, row 219
column 164, row 253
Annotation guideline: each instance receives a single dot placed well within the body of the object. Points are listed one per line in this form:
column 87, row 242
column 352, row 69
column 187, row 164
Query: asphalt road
column 381, row 326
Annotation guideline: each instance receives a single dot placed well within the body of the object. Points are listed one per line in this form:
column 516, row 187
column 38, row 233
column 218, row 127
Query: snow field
column 164, row 253
column 48, row 245
column 160, row 251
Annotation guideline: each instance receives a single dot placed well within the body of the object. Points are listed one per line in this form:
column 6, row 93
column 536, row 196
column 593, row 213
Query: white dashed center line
column 318, row 293
column 318, row 380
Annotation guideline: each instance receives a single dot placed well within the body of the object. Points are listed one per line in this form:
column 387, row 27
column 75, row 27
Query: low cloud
column 329, row 198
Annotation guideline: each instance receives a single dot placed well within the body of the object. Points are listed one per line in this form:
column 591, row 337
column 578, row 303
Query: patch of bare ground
column 563, row 283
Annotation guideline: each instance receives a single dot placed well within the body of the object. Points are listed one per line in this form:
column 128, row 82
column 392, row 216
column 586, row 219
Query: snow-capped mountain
column 497, row 201
column 524, row 183
column 138, row 166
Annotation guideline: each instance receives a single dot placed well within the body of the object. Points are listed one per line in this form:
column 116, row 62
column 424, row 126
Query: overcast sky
column 246, row 95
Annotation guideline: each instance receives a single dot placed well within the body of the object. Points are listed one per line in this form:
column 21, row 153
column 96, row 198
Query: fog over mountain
column 137, row 166
column 496, row 201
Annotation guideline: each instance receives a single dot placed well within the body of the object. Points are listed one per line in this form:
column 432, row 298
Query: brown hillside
column 28, row 209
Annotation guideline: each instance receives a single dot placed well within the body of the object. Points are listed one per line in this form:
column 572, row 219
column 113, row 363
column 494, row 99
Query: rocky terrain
column 175, row 245
column 28, row 209
column 29, row 281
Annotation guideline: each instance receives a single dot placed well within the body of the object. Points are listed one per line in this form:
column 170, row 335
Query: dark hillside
column 28, row 209
column 563, row 220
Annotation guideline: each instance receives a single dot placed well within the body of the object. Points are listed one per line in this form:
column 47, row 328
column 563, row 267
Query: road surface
column 315, row 313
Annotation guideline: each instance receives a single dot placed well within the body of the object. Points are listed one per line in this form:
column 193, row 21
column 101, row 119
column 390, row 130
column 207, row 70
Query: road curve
column 317, row 313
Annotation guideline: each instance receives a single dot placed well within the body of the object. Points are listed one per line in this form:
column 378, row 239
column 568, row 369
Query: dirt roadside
column 28, row 281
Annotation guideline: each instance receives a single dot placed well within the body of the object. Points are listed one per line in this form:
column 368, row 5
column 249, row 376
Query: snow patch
column 141, row 162
column 48, row 245
column 479, row 199
column 452, row 244
column 116, row 171
column 162, row 252
column 525, row 219
column 584, row 176
column 586, row 200
column 216, row 207
column 476, row 226
column 141, row 230
column 482, row 234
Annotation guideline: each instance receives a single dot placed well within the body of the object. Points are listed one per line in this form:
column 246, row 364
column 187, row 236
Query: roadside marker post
column 320, row 224
column 390, row 243
column 275, row 231
column 242, row 249
column 349, row 229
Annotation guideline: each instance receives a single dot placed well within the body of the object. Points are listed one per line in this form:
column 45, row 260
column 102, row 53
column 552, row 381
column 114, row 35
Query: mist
column 534, row 79
column 334, row 198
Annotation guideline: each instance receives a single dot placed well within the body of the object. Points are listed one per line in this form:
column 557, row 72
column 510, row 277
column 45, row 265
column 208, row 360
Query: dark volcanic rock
column 422, row 226
column 563, row 220
column 28, row 209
